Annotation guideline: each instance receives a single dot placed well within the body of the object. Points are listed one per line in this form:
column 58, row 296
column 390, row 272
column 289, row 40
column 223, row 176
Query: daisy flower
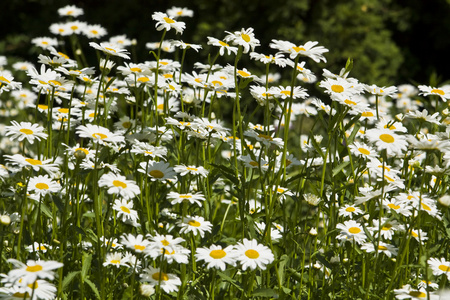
column 47, row 165
column 439, row 266
column 443, row 92
column 70, row 11
column 424, row 116
column 195, row 224
column 363, row 150
column 166, row 23
column 192, row 198
column 25, row 130
column 94, row 31
column 32, row 270
column 175, row 12
column 125, row 210
column 178, row 253
column 38, row 247
column 43, row 185
column 183, row 45
column 349, row 211
column 193, row 170
column 157, row 171
column 350, row 230
column 223, row 46
column 338, row 87
column 155, row 277
column 216, row 257
column 308, row 49
column 285, row 92
column 99, row 134
column 387, row 249
column 167, row 242
column 135, row 243
column 407, row 292
column 119, row 185
column 110, row 49
column 44, row 42
column 381, row 91
column 277, row 59
column 116, row 259
column 245, row 38
column 148, row 150
column 385, row 139
column 253, row 255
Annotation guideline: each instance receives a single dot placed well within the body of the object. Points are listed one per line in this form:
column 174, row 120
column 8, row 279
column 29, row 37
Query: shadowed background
column 392, row 42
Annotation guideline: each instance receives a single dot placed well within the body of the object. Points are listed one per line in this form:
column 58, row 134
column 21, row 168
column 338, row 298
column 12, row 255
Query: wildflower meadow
column 246, row 176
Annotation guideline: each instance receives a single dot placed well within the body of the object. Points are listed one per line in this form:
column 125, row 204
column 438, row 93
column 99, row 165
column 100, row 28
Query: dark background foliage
column 392, row 42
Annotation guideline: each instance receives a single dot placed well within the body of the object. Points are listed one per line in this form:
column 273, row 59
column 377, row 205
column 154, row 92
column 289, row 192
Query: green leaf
column 93, row 287
column 228, row 173
column 265, row 293
column 348, row 65
column 46, row 211
column 284, row 259
column 87, row 258
column 68, row 279
column 339, row 168
column 230, row 280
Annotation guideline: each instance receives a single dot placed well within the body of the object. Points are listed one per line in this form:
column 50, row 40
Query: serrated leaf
column 87, row 258
column 68, row 279
column 93, row 287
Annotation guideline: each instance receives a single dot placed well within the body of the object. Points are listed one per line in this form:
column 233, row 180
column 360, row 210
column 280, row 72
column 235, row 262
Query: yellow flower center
column 243, row 73
column 393, row 206
column 438, row 91
column 165, row 242
column 217, row 254
column 266, row 137
column 418, row 294
column 136, row 69
column 364, row 151
column 34, row 162
column 143, row 79
column 349, row 102
column 156, row 174
column 82, row 149
column 99, row 135
column 115, row 261
column 125, row 209
column 94, row 32
column 350, row 209
column 387, row 227
column 33, row 285
column 160, row 106
column 387, row 138
column 192, row 169
column 110, row 49
column 35, row 268
column 42, row 186
column 169, row 20
column 337, row 88
column 444, row 268
column 367, row 114
column 126, row 124
column 425, row 207
column 160, row 276
column 414, row 234
column 298, row 49
column 354, row 230
column 26, row 131
column 63, row 110
column 119, row 183
column 253, row 254
column 185, row 196
column 245, row 37
column 2, row 78
column 287, row 93
column 194, row 223
column 382, row 248
column 139, row 247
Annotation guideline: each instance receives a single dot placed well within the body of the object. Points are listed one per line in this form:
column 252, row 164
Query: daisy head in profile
column 163, row 21
column 25, row 130
column 110, row 49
